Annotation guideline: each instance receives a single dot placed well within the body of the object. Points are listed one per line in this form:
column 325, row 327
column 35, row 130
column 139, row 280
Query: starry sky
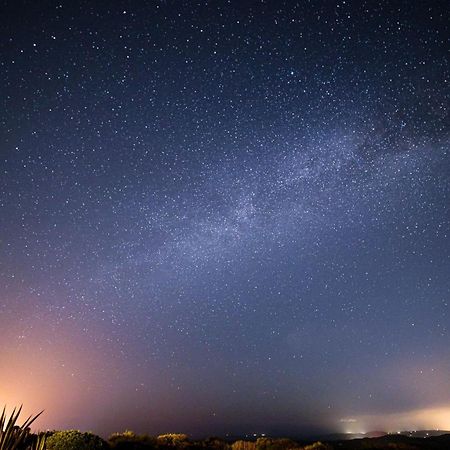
column 225, row 216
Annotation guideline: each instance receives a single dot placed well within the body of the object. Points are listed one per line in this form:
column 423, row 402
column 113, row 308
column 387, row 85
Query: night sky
column 225, row 216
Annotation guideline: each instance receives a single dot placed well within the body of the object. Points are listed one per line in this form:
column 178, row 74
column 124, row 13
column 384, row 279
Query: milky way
column 225, row 217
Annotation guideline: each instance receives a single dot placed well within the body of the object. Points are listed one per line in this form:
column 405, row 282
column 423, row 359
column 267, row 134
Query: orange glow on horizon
column 60, row 375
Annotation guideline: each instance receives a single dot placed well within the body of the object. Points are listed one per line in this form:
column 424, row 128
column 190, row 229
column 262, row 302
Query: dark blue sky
column 225, row 216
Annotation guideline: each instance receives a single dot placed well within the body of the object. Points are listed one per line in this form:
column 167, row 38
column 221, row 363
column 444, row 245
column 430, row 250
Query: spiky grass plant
column 19, row 437
column 39, row 442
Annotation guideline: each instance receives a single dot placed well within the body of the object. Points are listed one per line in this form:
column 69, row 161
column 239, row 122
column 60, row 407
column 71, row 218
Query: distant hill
column 350, row 436
column 376, row 434
column 423, row 433
column 395, row 441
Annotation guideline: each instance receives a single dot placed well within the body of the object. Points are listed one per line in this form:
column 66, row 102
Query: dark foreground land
column 75, row 440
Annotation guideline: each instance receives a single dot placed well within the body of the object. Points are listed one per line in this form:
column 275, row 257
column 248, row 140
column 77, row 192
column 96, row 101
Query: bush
column 215, row 443
column 317, row 446
column 173, row 440
column 244, row 445
column 75, row 440
column 128, row 440
column 275, row 444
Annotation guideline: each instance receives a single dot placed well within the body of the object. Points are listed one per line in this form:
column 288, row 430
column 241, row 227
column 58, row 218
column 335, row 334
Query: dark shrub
column 128, row 440
column 275, row 444
column 176, row 440
column 215, row 443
